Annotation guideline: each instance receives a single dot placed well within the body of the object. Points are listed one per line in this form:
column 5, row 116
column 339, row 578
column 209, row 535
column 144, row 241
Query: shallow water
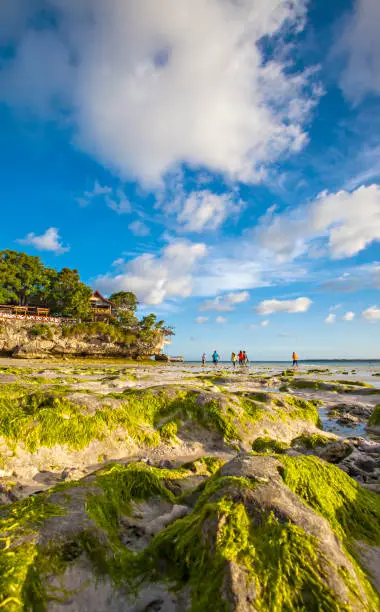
column 345, row 431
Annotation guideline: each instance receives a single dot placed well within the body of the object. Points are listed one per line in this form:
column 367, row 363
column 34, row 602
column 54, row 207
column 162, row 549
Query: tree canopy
column 124, row 300
column 23, row 278
column 26, row 281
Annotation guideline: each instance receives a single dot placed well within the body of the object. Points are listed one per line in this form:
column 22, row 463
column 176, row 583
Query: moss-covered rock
column 337, row 386
column 269, row 445
column 310, row 441
column 266, row 533
column 374, row 419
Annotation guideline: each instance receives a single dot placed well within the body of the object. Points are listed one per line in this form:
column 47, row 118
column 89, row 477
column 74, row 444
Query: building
column 100, row 306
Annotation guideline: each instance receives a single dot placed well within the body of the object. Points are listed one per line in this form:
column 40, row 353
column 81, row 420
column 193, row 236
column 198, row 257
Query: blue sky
column 220, row 159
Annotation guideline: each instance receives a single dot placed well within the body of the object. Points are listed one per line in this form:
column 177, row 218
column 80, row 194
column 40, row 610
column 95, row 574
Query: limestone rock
column 16, row 340
column 120, row 540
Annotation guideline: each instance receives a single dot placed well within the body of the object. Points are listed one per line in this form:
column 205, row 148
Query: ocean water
column 365, row 370
column 318, row 363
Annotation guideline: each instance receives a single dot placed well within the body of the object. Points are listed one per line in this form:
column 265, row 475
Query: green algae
column 269, row 445
column 204, row 465
column 353, row 383
column 374, row 419
column 299, row 408
column 311, row 441
column 352, row 511
column 122, row 484
column 280, row 560
column 20, row 582
column 43, row 418
column 25, row 565
column 169, row 431
column 305, row 384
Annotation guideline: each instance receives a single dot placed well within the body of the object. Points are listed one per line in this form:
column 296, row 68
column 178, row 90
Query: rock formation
column 19, row 339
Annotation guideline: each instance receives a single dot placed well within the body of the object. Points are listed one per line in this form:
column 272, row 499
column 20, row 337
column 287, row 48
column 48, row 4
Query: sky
column 220, row 158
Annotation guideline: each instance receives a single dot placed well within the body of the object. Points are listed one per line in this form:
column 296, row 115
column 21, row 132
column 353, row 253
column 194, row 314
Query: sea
column 309, row 363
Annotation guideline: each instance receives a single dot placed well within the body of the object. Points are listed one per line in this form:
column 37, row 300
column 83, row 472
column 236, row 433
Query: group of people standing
column 241, row 357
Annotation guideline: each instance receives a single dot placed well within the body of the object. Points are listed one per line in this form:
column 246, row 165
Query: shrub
column 42, row 330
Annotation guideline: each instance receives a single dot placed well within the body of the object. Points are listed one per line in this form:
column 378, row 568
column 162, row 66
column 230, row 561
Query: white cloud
column 225, row 303
column 360, row 46
column 49, row 241
column 264, row 323
column 371, row 314
column 155, row 278
column 154, row 84
column 267, row 307
column 349, row 316
column 348, row 221
column 203, row 210
column 98, row 190
column 115, row 199
column 243, row 266
column 138, row 228
column 201, row 320
column 366, row 276
column 220, row 320
column 330, row 318
column 119, row 203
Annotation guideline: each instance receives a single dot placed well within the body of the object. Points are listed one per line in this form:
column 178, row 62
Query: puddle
column 345, row 431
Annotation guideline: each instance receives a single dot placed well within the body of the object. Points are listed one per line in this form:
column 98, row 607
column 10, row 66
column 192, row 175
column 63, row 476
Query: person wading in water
column 215, row 358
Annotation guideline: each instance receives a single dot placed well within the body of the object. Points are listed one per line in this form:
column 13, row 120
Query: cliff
column 28, row 339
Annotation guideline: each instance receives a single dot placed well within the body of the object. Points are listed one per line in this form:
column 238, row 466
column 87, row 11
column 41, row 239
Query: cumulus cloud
column 138, row 228
column 331, row 318
column 371, row 314
column 267, row 307
column 203, row 210
column 48, row 241
column 349, row 316
column 264, row 323
column 348, row 222
column 225, row 303
column 201, row 320
column 155, row 278
column 220, row 320
column 148, row 85
column 359, row 44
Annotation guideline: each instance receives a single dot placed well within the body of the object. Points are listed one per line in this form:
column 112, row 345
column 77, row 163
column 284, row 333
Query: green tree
column 23, row 278
column 148, row 322
column 69, row 296
column 124, row 300
column 125, row 304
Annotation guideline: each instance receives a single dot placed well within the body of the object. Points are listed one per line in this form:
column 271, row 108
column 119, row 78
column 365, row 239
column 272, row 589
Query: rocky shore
column 166, row 487
column 22, row 339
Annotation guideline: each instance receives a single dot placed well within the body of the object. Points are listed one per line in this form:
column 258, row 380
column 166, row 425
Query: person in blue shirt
column 215, row 358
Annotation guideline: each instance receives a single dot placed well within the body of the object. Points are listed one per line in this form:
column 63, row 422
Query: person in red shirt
column 241, row 358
